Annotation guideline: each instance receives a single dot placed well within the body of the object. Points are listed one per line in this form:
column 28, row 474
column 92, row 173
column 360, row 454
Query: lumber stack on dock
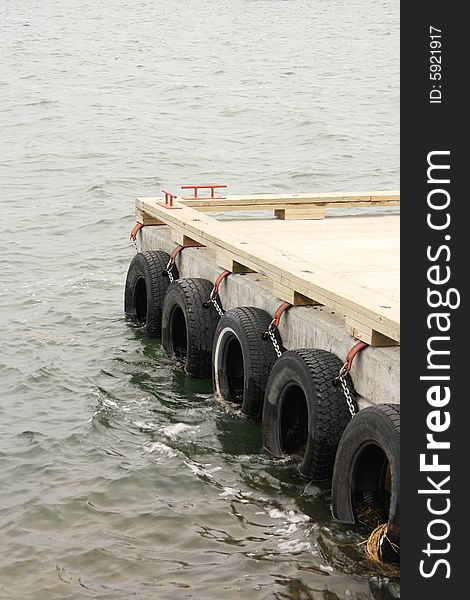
column 294, row 206
column 347, row 263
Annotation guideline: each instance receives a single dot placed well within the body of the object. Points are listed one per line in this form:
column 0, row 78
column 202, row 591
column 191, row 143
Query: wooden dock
column 347, row 263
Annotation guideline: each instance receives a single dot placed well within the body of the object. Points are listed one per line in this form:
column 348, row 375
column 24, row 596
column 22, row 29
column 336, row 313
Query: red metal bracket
column 279, row 312
column 208, row 186
column 169, row 197
column 352, row 353
column 215, row 291
column 135, row 230
column 219, row 280
column 276, row 319
column 172, row 261
column 174, row 254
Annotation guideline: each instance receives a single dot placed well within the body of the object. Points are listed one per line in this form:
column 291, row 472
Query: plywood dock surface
column 364, row 250
column 348, row 263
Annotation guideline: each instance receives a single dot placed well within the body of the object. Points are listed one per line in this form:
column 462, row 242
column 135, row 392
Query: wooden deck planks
column 347, row 263
column 294, row 206
column 241, row 202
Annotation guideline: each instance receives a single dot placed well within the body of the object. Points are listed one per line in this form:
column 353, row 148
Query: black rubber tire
column 305, row 411
column 242, row 360
column 367, row 461
column 188, row 328
column 145, row 289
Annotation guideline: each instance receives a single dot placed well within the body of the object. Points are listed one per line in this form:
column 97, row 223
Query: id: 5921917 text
column 435, row 65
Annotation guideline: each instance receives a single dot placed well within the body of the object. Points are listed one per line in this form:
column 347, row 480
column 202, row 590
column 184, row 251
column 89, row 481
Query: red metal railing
column 209, row 186
column 169, row 198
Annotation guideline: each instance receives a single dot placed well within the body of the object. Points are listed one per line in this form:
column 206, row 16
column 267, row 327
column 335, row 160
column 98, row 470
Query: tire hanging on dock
column 188, row 327
column 366, row 476
column 242, row 360
column 304, row 411
column 146, row 285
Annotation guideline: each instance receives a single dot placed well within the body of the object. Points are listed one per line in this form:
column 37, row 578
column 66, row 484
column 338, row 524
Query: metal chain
column 273, row 326
column 277, row 348
column 346, row 391
column 133, row 236
column 213, row 300
column 168, row 270
column 217, row 306
column 214, row 295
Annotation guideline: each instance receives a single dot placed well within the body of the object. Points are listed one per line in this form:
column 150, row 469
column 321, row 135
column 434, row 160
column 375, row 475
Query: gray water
column 120, row 477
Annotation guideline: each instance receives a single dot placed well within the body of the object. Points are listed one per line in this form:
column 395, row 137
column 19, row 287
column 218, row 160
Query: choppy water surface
column 120, row 477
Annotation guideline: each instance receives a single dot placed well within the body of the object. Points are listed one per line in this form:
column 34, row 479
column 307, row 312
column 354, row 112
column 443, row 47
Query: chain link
column 273, row 338
column 346, row 391
column 217, row 306
column 214, row 295
column 169, row 269
column 213, row 300
column 133, row 237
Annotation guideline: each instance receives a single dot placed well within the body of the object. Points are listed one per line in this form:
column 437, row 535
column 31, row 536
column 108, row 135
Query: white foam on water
column 108, row 402
column 174, row 431
column 234, row 494
column 294, row 546
column 143, row 425
column 229, row 492
column 326, row 568
column 198, row 469
column 161, row 449
column 290, row 528
column 290, row 516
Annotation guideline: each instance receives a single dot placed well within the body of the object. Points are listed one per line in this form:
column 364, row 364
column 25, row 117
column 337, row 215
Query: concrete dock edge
column 375, row 372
